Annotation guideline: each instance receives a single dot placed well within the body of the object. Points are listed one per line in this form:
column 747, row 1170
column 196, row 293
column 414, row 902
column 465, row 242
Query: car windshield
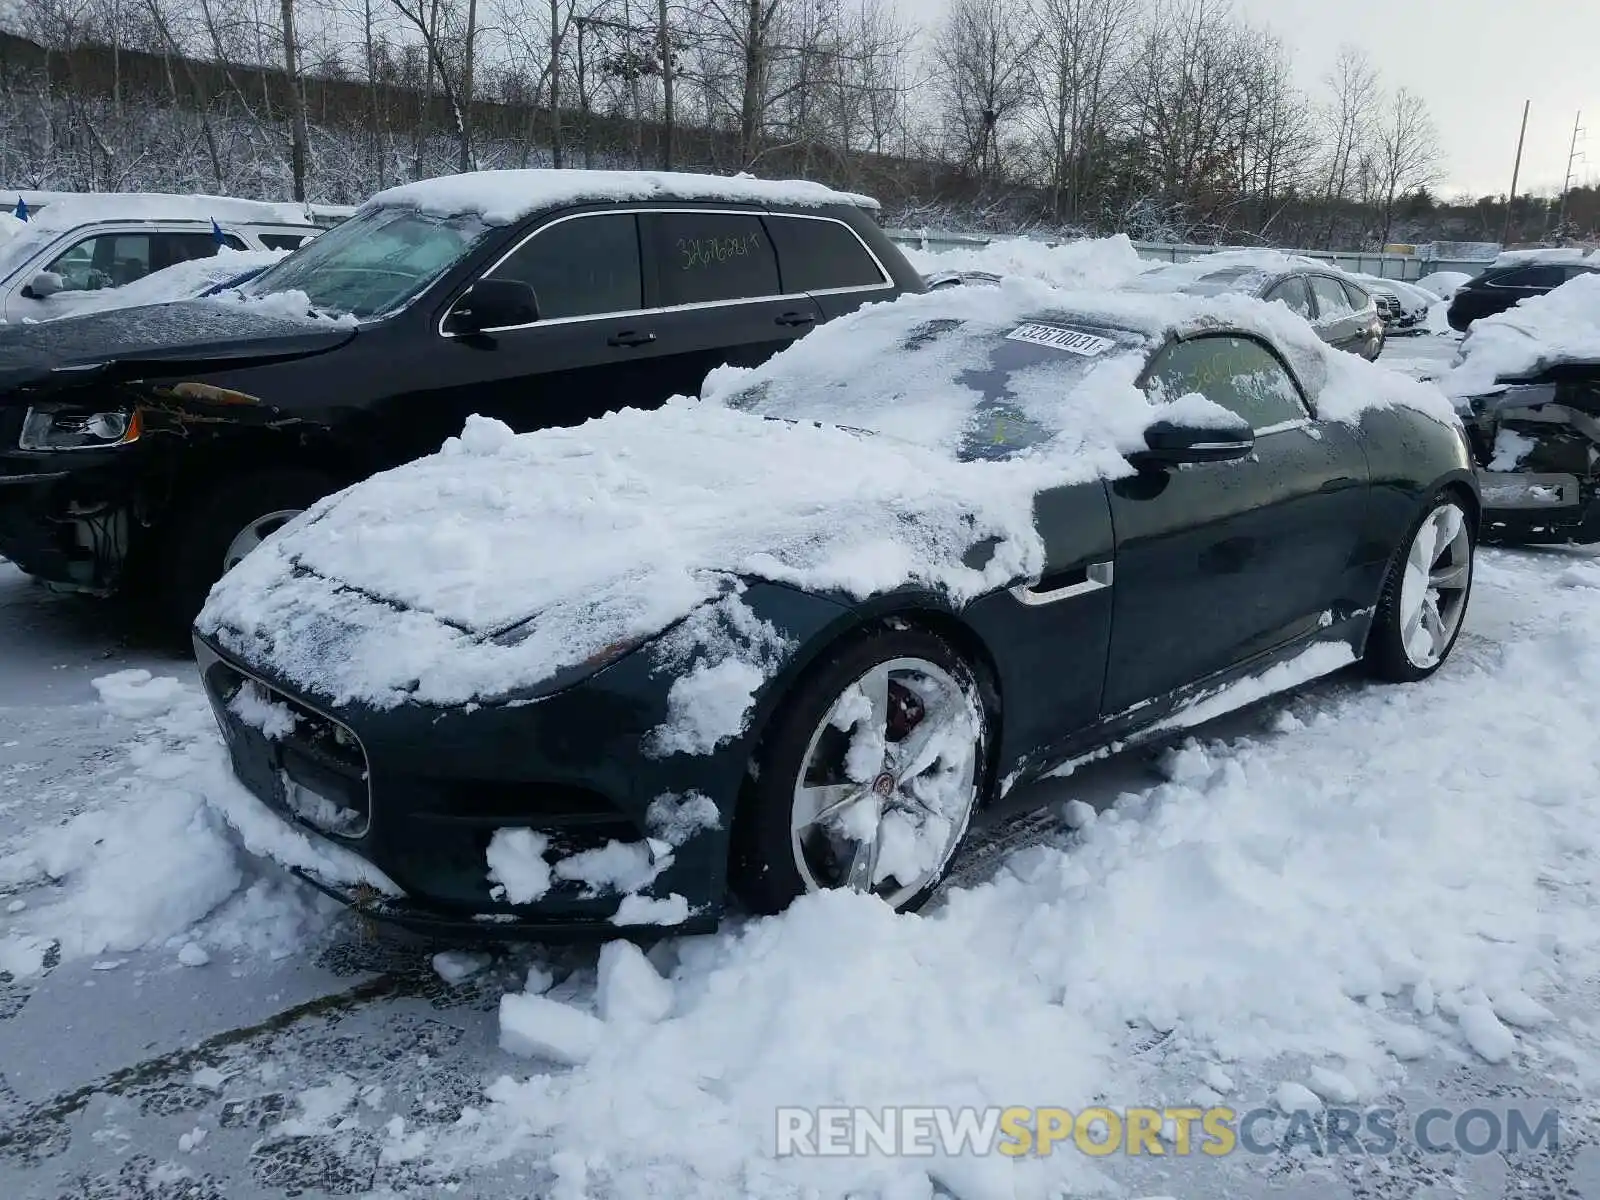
column 372, row 264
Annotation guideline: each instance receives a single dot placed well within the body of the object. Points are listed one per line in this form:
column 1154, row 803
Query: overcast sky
column 1474, row 61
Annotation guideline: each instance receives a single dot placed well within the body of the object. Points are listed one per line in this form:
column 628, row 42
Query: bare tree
column 981, row 55
column 1406, row 152
column 1349, row 119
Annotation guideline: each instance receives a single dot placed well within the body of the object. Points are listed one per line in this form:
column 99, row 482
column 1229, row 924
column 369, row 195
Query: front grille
column 323, row 774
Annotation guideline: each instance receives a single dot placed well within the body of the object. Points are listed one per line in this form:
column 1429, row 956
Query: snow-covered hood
column 502, row 560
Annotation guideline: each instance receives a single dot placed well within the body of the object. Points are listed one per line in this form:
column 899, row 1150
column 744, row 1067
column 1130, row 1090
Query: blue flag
column 216, row 231
column 22, row 209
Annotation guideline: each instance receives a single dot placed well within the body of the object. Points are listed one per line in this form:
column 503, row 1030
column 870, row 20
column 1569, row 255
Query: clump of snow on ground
column 1539, row 332
column 1089, row 263
column 171, row 858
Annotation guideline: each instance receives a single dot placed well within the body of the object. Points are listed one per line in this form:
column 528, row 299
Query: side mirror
column 494, row 304
column 1170, row 445
column 42, row 285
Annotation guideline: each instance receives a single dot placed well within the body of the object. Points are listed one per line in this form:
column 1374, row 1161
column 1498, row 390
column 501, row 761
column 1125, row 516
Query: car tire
column 213, row 526
column 1431, row 573
column 915, row 817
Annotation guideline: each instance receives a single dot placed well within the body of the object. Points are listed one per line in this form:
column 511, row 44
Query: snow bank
column 161, row 863
column 1089, row 263
column 1444, row 284
column 512, row 558
column 505, row 197
column 1561, row 326
column 67, row 210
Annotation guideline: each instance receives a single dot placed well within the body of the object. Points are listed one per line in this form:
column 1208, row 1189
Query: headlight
column 74, row 429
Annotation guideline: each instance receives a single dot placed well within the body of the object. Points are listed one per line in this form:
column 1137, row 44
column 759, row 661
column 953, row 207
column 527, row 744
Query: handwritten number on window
column 704, row 253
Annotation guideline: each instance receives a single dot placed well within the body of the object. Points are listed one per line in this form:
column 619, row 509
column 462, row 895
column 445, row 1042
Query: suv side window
column 105, row 261
column 1238, row 373
column 815, row 254
column 1292, row 291
column 709, row 256
column 284, row 241
column 582, row 267
column 1532, row 277
column 173, row 248
column 1331, row 300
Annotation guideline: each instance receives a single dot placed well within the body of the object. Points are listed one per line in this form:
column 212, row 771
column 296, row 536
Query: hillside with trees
column 1171, row 120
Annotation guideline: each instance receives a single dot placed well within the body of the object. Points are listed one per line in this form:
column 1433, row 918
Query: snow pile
column 161, row 864
column 1561, row 326
column 179, row 282
column 514, row 558
column 505, row 197
column 1089, row 263
column 1298, row 915
column 1444, row 284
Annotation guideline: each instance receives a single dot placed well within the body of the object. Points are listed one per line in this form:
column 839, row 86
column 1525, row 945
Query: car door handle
column 1092, row 577
column 630, row 337
column 797, row 318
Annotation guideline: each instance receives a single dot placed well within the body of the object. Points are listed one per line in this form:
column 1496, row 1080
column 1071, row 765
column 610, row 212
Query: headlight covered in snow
column 73, row 429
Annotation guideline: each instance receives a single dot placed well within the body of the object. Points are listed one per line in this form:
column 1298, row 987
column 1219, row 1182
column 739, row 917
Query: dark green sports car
column 793, row 634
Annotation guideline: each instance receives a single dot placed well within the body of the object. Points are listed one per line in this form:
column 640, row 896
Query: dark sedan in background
column 823, row 642
column 1502, row 285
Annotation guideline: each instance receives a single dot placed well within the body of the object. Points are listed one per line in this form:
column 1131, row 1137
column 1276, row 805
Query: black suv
column 1500, row 287
column 149, row 449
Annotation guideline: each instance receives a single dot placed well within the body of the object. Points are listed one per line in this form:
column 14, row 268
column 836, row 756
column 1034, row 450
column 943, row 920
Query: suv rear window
column 815, row 254
column 709, row 256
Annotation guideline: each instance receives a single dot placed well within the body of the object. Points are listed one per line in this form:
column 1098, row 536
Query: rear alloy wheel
column 1425, row 597
column 869, row 777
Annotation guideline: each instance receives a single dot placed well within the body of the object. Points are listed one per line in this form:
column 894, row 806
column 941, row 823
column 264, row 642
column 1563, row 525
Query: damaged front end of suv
column 1537, row 446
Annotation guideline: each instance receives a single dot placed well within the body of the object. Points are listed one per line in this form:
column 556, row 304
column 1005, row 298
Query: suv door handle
column 796, row 318
column 630, row 337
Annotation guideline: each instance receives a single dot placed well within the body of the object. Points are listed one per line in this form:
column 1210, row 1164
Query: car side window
column 108, row 260
column 284, row 241
column 1331, row 300
column 1238, row 373
column 1357, row 297
column 581, row 267
column 1532, row 277
column 708, row 256
column 1292, row 291
column 173, row 248
column 815, row 255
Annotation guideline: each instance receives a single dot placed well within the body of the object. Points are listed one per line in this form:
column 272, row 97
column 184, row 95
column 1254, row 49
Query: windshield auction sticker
column 1057, row 337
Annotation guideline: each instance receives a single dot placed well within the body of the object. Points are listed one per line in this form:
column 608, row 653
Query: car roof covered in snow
column 66, row 210
column 505, row 197
column 1554, row 255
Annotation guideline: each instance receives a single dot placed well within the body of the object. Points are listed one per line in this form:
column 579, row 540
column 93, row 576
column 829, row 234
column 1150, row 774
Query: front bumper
column 1529, row 508
column 71, row 517
column 419, row 791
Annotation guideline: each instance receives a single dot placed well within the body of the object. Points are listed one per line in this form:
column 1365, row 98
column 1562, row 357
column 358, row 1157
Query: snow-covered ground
column 1378, row 896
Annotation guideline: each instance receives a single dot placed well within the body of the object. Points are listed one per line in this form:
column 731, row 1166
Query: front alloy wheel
column 868, row 777
column 1424, row 599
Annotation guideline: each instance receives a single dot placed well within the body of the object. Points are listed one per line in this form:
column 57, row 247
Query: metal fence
column 1385, row 266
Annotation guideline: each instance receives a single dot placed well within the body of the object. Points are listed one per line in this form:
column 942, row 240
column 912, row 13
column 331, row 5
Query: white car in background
column 1404, row 306
column 75, row 244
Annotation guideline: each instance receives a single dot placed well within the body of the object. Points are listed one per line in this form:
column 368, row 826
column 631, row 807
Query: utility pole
column 1566, row 185
column 1516, row 170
